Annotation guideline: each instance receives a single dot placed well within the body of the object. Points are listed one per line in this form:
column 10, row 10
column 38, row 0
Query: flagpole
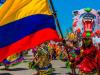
column 58, row 25
column 57, row 22
column 55, row 16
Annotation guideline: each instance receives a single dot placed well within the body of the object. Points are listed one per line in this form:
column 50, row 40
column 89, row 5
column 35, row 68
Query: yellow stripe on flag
column 16, row 9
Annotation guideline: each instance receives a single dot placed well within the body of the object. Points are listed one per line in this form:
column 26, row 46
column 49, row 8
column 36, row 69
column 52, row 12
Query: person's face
column 87, row 41
column 70, row 44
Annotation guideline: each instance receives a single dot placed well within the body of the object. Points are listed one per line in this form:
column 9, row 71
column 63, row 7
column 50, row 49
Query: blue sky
column 64, row 10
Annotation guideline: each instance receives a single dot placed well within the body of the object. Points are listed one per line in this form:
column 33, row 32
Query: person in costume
column 44, row 65
column 88, row 63
column 57, row 49
column 41, row 62
column 85, row 25
column 73, row 51
column 50, row 49
column 13, row 60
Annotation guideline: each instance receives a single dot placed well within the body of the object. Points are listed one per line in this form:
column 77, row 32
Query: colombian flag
column 25, row 24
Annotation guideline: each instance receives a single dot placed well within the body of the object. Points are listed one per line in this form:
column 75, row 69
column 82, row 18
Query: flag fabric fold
column 25, row 24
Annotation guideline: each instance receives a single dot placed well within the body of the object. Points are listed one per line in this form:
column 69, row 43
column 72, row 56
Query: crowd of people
column 85, row 57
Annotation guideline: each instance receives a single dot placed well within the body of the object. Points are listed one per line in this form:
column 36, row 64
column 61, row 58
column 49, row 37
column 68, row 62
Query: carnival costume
column 13, row 60
column 44, row 65
column 72, row 51
column 88, row 63
column 42, row 62
column 85, row 26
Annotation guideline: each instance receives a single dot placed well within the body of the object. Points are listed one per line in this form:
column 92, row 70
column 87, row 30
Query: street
column 22, row 69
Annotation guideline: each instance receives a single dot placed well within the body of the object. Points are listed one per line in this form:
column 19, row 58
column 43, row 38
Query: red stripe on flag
column 29, row 41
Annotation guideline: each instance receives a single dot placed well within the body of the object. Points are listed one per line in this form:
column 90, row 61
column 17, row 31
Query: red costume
column 89, row 59
column 88, row 64
column 98, row 60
